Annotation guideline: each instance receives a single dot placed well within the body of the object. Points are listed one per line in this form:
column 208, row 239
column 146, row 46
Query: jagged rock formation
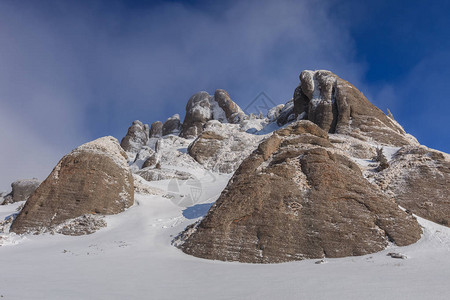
column 171, row 125
column 202, row 107
column 222, row 149
column 419, row 180
column 198, row 112
column 21, row 190
column 233, row 112
column 137, row 136
column 293, row 198
column 338, row 107
column 92, row 179
column 156, row 129
column 286, row 114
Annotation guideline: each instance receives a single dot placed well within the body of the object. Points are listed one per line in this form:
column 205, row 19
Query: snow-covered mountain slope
column 133, row 258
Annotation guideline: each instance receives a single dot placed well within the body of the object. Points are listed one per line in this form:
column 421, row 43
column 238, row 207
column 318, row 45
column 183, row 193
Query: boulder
column 136, row 137
column 92, row 179
column 419, row 180
column 171, row 125
column 294, row 198
column 22, row 190
column 156, row 130
column 337, row 106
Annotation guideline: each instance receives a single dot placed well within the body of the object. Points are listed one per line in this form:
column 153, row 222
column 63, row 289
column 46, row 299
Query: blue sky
column 72, row 71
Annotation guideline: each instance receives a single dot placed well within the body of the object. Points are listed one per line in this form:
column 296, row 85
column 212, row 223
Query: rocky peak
column 136, row 137
column 203, row 107
column 171, row 125
column 156, row 129
column 337, row 106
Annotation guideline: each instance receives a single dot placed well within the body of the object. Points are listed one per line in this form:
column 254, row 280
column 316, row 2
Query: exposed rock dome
column 92, row 179
column 294, row 198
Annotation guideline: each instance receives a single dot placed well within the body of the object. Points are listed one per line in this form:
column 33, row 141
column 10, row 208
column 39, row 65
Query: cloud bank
column 74, row 71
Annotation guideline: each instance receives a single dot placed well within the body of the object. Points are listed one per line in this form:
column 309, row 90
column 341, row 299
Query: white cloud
column 73, row 73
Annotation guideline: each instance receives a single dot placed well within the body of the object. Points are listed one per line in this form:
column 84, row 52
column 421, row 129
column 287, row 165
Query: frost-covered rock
column 21, row 190
column 292, row 199
column 137, row 136
column 419, row 180
column 172, row 125
column 274, row 112
column 233, row 113
column 203, row 107
column 141, row 187
column 338, row 107
column 154, row 174
column 286, row 114
column 198, row 112
column 82, row 225
column 156, row 130
column 143, row 155
column 222, row 147
column 92, row 179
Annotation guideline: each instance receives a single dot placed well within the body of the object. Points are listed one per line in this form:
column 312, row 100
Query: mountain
column 326, row 179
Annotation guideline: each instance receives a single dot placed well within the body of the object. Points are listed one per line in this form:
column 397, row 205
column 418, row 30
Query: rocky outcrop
column 222, row 148
column 141, row 158
column 202, row 107
column 338, row 107
column 171, row 125
column 233, row 112
column 419, row 180
column 294, row 198
column 156, row 130
column 92, row 179
column 21, row 190
column 286, row 113
column 137, row 136
column 198, row 112
column 151, row 174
